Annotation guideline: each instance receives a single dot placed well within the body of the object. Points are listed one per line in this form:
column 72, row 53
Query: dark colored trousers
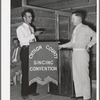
column 25, row 88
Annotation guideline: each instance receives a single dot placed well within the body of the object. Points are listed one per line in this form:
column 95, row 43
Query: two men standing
column 83, row 38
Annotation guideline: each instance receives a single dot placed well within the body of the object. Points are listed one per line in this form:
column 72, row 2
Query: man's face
column 28, row 18
column 15, row 43
column 75, row 20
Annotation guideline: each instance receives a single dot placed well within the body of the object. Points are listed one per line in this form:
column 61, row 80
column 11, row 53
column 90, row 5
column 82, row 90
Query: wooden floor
column 42, row 90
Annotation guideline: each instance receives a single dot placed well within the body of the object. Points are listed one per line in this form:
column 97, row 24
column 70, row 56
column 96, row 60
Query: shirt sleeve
column 92, row 38
column 22, row 38
column 68, row 45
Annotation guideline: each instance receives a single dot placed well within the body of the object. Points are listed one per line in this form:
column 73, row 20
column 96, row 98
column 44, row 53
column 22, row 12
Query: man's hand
column 60, row 47
column 88, row 49
column 33, row 40
column 37, row 33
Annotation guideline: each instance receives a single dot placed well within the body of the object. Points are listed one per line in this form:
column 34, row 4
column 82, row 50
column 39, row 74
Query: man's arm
column 93, row 38
column 22, row 38
column 66, row 45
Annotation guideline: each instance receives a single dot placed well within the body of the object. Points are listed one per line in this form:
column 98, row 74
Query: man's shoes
column 73, row 98
column 25, row 97
column 87, row 99
column 77, row 98
column 34, row 94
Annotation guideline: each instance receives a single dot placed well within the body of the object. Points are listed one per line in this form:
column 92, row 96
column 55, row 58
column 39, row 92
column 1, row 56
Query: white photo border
column 5, row 49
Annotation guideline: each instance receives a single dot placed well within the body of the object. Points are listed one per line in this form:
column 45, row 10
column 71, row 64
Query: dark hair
column 29, row 11
column 15, row 39
column 80, row 14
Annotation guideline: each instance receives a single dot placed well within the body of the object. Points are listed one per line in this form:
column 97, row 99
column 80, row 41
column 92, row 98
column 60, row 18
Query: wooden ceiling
column 39, row 3
column 64, row 5
column 46, row 2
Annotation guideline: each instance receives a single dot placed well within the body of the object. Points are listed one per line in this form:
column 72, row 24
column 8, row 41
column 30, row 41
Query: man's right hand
column 88, row 49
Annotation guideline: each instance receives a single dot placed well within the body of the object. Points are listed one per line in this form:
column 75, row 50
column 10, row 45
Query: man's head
column 15, row 42
column 27, row 16
column 76, row 18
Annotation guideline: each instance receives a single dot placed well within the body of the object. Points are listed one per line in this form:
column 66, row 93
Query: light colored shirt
column 82, row 37
column 24, row 34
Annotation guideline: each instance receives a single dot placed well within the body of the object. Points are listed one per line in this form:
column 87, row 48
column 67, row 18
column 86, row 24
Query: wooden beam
column 80, row 6
column 70, row 4
column 37, row 7
column 24, row 2
column 44, row 2
column 62, row 13
column 57, row 27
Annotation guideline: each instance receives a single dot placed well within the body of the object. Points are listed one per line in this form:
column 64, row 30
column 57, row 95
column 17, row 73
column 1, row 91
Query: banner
column 43, row 63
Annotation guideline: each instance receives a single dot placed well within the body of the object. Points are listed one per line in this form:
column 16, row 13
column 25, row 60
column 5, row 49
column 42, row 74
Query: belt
column 79, row 49
column 25, row 46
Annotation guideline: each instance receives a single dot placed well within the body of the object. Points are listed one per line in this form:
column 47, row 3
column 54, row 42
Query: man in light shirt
column 83, row 38
column 15, row 60
column 25, row 34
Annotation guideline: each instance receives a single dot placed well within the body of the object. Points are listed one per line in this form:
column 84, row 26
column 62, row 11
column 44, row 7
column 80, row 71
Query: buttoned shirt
column 82, row 37
column 24, row 34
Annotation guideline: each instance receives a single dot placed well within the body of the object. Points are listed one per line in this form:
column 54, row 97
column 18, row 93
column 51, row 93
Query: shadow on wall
column 91, row 25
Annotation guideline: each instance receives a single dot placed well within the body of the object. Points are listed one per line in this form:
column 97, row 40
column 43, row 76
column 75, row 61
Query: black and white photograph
column 49, row 50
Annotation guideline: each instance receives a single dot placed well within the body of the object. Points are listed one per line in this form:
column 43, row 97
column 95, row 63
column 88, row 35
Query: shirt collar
column 25, row 24
column 78, row 25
